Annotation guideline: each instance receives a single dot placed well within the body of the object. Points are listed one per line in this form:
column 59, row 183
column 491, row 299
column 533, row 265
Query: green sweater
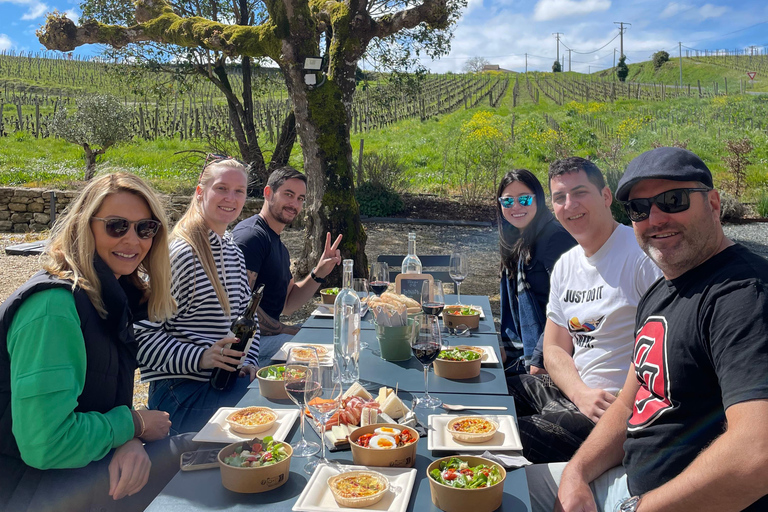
column 48, row 363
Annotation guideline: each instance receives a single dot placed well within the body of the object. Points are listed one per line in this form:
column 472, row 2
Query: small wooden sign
column 410, row 285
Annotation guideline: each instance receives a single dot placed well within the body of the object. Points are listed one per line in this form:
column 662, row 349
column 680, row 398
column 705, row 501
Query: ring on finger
column 222, row 351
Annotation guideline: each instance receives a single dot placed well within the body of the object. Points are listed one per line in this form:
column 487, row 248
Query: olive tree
column 99, row 122
column 396, row 32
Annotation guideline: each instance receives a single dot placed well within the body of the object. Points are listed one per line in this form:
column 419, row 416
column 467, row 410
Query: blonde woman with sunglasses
column 70, row 438
column 531, row 241
column 210, row 286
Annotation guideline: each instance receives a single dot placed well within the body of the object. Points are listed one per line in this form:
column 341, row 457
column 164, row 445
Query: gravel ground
column 480, row 243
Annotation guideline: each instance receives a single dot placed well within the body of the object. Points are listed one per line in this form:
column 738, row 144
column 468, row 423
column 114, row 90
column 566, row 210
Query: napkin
column 508, row 461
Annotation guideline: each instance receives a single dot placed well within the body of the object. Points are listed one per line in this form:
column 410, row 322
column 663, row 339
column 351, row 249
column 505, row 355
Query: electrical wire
column 593, row 51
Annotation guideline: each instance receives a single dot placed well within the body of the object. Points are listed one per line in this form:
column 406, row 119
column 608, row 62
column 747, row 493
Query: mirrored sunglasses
column 117, row 227
column 672, row 201
column 509, row 202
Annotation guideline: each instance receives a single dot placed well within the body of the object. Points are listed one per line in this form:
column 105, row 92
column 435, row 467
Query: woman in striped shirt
column 210, row 286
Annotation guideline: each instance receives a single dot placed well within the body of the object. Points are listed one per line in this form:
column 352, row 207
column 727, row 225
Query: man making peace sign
column 268, row 261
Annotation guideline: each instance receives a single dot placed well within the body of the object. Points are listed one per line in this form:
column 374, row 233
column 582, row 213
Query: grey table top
column 486, row 324
column 202, row 490
column 409, row 375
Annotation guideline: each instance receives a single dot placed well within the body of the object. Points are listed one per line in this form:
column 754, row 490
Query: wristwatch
column 314, row 277
column 629, row 504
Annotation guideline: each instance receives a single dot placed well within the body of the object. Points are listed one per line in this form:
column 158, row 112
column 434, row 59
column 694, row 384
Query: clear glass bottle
column 411, row 263
column 346, row 327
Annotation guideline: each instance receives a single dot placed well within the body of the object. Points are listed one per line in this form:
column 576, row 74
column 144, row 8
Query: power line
column 593, row 51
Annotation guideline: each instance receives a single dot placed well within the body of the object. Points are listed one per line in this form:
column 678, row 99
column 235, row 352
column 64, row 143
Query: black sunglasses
column 117, row 227
column 672, row 201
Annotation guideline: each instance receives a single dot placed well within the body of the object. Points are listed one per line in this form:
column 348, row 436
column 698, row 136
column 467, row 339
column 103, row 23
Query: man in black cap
column 691, row 423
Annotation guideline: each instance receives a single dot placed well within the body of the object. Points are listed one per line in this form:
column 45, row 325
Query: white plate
column 506, row 438
column 326, row 310
column 217, row 428
column 282, row 354
column 488, row 358
column 317, row 496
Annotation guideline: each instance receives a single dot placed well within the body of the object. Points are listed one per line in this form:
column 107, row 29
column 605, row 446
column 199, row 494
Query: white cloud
column 73, row 14
column 5, row 42
column 553, row 9
column 712, row 11
column 36, row 10
column 672, row 9
column 472, row 4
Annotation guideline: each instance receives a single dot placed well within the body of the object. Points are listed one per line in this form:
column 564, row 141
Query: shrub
column 376, row 200
column 737, row 161
column 731, row 209
column 659, row 58
column 556, row 67
column 612, row 178
column 762, row 205
column 382, row 169
column 622, row 70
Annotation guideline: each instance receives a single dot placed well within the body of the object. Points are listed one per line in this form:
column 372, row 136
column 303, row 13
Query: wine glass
column 322, row 394
column 458, row 270
column 360, row 285
column 426, row 347
column 379, row 278
column 297, row 373
column 432, row 298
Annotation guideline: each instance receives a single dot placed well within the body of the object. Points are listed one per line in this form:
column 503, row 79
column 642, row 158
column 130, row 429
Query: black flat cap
column 666, row 164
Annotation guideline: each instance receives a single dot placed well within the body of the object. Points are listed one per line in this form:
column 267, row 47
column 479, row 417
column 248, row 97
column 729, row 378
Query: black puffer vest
column 109, row 344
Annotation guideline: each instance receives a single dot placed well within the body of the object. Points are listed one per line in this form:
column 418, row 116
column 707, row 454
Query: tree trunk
column 90, row 162
column 322, row 120
column 285, row 141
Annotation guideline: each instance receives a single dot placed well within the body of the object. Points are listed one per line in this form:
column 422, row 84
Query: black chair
column 434, row 264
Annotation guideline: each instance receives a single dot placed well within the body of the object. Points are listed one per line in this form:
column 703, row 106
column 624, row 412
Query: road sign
column 751, row 74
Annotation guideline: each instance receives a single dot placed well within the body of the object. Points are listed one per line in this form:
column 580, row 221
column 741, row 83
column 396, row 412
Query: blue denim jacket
column 523, row 314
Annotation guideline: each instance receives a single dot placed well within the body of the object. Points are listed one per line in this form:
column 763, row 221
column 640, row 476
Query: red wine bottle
column 243, row 328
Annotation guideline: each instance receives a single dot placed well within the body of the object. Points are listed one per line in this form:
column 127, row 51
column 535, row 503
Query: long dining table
column 203, row 491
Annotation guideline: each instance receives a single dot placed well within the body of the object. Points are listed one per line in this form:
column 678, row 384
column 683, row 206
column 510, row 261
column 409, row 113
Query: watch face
column 629, row 504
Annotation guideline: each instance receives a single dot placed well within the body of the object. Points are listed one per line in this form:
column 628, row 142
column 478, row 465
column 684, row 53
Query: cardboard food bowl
column 253, row 480
column 362, row 501
column 453, row 320
column 452, row 499
column 251, row 429
column 402, row 457
column 271, row 388
column 459, row 370
column 328, row 298
column 470, row 437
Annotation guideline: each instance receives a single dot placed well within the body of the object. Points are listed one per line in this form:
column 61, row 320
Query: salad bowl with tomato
column 384, row 445
column 459, row 484
column 258, row 465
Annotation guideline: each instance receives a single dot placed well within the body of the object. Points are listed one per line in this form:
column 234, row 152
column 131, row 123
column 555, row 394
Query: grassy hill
column 465, row 151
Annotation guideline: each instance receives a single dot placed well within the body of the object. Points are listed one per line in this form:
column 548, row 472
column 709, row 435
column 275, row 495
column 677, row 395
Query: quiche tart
column 358, row 488
column 303, row 353
column 251, row 420
column 472, row 429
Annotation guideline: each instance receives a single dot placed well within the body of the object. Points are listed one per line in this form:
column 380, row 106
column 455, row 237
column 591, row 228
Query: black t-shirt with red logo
column 701, row 346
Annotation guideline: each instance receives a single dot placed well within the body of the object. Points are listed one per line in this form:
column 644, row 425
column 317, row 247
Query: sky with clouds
column 504, row 31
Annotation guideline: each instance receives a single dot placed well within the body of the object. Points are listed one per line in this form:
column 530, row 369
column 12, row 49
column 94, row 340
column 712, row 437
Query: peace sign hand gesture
column 330, row 258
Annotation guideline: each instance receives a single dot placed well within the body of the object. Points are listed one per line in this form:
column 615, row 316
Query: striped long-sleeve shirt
column 173, row 349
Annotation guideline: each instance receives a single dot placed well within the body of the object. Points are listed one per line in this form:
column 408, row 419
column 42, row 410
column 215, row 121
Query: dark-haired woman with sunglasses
column 210, row 285
column 71, row 440
column 531, row 241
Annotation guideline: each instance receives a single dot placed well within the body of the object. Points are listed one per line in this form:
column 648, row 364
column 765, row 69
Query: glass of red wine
column 426, row 345
column 379, row 278
column 432, row 298
column 297, row 377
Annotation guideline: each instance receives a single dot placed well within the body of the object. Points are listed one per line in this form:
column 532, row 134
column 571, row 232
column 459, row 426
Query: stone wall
column 23, row 210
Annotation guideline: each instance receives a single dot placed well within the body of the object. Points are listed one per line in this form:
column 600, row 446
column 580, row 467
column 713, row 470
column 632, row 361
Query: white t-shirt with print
column 596, row 299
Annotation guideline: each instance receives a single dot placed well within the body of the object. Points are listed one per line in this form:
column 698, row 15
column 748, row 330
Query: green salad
column 255, row 454
column 464, row 311
column 331, row 291
column 278, row 373
column 457, row 473
column 456, row 354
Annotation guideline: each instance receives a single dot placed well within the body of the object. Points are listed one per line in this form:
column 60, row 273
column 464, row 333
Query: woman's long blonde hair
column 192, row 228
column 70, row 253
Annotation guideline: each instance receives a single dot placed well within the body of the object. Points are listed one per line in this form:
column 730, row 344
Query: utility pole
column 614, row 57
column 526, row 63
column 557, row 35
column 621, row 33
column 680, row 50
column 569, row 59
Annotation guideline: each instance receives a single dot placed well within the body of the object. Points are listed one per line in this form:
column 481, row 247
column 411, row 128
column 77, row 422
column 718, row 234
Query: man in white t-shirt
column 594, row 292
